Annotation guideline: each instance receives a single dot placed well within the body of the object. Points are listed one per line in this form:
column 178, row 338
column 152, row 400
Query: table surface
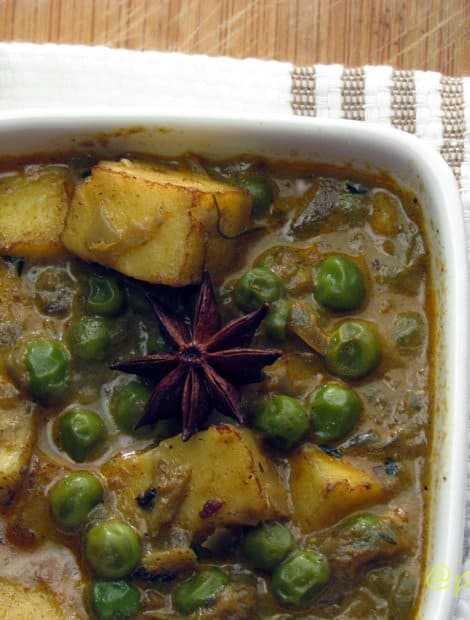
column 408, row 34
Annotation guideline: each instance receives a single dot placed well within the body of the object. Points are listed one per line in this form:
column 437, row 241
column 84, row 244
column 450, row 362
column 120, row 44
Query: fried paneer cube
column 22, row 602
column 218, row 478
column 33, row 206
column 156, row 223
column 325, row 489
column 42, row 583
column 16, row 444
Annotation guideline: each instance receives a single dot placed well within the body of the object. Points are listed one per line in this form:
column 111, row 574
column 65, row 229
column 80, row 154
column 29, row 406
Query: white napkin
column 41, row 76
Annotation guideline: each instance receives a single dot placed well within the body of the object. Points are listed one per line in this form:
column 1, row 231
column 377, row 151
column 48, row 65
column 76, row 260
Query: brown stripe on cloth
column 303, row 91
column 353, row 87
column 403, row 96
column 352, row 92
column 453, row 122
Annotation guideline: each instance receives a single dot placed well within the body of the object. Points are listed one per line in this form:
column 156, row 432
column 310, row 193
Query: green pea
column 267, row 545
column 361, row 522
column 128, row 405
column 275, row 322
column 298, row 578
column 195, row 592
column 104, row 296
column 80, row 432
column 409, row 330
column 282, row 420
column 114, row 600
column 47, row 365
column 353, row 350
column 335, row 410
column 261, row 192
column 368, row 532
column 338, row 283
column 113, row 549
column 89, row 338
column 257, row 287
column 74, row 496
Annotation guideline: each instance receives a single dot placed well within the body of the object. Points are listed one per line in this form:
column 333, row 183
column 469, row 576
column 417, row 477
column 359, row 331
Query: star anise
column 209, row 363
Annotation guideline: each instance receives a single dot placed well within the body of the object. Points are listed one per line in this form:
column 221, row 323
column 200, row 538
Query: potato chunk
column 155, row 223
column 219, row 477
column 33, row 206
column 325, row 489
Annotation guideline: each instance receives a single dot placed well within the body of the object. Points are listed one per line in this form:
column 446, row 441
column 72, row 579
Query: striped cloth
column 434, row 107
column 426, row 103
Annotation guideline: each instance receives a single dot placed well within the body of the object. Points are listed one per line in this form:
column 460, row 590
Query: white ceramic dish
column 364, row 148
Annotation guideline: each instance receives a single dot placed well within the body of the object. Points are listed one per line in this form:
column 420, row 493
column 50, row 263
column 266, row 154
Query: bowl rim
column 435, row 601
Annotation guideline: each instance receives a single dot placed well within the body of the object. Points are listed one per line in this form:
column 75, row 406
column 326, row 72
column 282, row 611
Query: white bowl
column 362, row 147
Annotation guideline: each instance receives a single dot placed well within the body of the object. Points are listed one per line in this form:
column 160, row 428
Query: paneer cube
column 42, row 583
column 325, row 489
column 149, row 491
column 173, row 561
column 33, row 206
column 228, row 482
column 16, row 440
column 17, row 415
column 22, row 602
column 156, row 223
column 31, row 517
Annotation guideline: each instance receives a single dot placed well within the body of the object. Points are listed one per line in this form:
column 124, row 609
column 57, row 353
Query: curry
column 215, row 391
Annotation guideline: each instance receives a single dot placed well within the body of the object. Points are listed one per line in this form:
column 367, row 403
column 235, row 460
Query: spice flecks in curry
column 314, row 507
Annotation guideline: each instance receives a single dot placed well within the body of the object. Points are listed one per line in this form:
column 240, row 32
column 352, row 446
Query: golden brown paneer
column 17, row 429
column 17, row 415
column 149, row 490
column 218, row 478
column 156, row 223
column 31, row 521
column 325, row 489
column 21, row 602
column 41, row 584
column 33, row 206
column 173, row 561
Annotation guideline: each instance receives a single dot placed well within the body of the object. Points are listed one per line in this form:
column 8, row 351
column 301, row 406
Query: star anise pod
column 209, row 363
